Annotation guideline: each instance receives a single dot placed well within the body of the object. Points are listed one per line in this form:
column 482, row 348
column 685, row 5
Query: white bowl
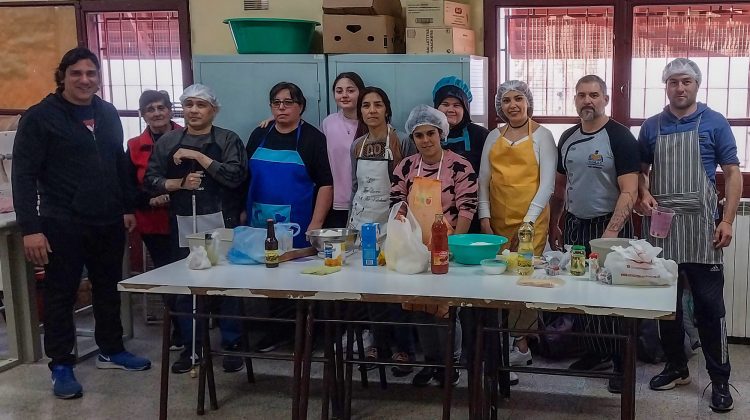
column 493, row 266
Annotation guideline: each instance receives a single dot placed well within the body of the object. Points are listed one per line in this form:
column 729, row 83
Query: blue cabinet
column 242, row 84
column 408, row 79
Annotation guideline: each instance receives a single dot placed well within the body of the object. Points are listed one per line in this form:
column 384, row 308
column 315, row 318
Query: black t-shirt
column 622, row 142
column 312, row 149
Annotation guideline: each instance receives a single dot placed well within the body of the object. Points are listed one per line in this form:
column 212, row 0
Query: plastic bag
column 198, row 258
column 404, row 250
column 248, row 245
column 637, row 265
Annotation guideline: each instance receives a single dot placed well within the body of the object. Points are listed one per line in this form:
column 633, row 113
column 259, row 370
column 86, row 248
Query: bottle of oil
column 271, row 245
column 525, row 249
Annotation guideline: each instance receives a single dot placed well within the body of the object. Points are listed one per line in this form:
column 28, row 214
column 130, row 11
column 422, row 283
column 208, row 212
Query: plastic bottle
column 526, row 249
column 271, row 246
column 439, row 253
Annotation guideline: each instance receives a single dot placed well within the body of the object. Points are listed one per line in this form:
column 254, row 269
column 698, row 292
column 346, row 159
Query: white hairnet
column 682, row 66
column 513, row 85
column 427, row 115
column 201, row 92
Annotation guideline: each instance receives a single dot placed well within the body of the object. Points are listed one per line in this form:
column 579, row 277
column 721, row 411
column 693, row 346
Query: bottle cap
column 578, row 248
column 593, row 255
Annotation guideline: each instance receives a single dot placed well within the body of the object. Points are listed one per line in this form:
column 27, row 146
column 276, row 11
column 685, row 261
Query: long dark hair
column 357, row 80
column 71, row 57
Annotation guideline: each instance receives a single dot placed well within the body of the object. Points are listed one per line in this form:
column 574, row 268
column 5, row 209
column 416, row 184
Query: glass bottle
column 271, row 246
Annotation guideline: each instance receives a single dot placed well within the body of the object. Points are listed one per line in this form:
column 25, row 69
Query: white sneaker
column 519, row 359
column 513, row 379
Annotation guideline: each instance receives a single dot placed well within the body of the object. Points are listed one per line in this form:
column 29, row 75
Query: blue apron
column 280, row 188
column 465, row 139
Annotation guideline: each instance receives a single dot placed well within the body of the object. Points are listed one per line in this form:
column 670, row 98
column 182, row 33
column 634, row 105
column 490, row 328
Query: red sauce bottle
column 439, row 253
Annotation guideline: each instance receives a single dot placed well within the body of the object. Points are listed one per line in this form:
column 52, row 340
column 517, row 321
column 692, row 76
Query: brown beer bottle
column 272, row 246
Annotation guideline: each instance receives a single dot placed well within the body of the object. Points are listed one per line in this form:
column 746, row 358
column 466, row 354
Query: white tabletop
column 462, row 286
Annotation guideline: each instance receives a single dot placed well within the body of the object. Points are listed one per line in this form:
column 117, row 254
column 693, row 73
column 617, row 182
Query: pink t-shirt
column 340, row 132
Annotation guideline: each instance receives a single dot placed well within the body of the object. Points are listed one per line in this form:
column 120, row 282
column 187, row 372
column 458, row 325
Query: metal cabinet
column 408, row 79
column 242, row 84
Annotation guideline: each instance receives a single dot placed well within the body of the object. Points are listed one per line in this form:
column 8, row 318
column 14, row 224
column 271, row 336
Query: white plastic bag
column 637, row 265
column 404, row 250
column 198, row 258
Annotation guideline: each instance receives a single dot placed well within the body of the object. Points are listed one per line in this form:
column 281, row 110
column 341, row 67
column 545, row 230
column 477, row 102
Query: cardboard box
column 440, row 41
column 362, row 7
column 437, row 14
column 362, row 34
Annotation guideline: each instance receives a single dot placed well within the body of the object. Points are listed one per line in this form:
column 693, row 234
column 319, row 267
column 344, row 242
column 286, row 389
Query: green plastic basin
column 472, row 248
column 271, row 35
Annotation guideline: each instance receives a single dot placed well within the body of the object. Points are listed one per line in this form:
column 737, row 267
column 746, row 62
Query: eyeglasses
column 276, row 103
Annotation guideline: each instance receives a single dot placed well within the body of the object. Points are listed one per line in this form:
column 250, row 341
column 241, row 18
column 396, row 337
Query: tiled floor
column 25, row 393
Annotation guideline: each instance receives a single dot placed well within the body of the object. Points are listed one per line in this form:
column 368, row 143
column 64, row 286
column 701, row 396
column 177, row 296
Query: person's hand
column 645, row 204
column 722, row 235
column 314, row 226
column 265, row 123
column 555, row 238
column 609, row 234
column 192, row 181
column 183, row 153
column 129, row 221
column 514, row 243
column 36, row 248
column 159, row 201
column 243, row 218
column 485, row 226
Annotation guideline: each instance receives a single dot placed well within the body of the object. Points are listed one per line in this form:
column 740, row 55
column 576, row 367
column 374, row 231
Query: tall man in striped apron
column 680, row 149
column 597, row 185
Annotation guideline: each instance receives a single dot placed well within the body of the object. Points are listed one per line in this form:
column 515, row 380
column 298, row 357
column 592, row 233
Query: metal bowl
column 319, row 237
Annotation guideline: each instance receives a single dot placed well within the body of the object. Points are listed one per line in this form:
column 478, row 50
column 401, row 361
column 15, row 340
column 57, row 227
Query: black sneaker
column 184, row 364
column 400, row 371
column 615, row 385
column 439, row 377
column 233, row 363
column 670, row 377
column 423, row 377
column 592, row 362
column 721, row 398
column 271, row 342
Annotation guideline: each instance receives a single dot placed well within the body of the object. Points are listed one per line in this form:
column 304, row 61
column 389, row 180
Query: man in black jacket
column 69, row 153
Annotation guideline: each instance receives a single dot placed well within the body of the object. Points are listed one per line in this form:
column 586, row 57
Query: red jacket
column 151, row 220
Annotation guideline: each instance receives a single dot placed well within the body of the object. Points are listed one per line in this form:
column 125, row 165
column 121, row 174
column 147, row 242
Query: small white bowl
column 494, row 266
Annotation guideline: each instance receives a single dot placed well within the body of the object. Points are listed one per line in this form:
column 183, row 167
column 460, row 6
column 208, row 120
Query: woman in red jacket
column 152, row 212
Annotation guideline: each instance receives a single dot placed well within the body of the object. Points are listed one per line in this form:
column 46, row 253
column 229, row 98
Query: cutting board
column 298, row 253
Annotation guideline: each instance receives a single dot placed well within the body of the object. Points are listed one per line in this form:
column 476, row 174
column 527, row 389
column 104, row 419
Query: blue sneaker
column 123, row 360
column 64, row 383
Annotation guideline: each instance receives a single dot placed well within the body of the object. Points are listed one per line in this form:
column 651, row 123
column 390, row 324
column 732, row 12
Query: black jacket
column 80, row 176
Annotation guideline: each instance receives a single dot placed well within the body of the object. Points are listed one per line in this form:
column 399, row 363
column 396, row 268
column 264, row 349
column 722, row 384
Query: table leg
column 205, row 351
column 208, row 358
column 448, row 370
column 627, row 409
column 348, row 366
column 164, row 387
column 306, row 362
column 298, row 348
column 328, row 368
column 476, row 390
column 505, row 356
column 493, row 353
column 340, row 397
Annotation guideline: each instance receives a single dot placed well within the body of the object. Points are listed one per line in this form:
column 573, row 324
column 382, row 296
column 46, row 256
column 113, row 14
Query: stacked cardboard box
column 362, row 26
column 438, row 27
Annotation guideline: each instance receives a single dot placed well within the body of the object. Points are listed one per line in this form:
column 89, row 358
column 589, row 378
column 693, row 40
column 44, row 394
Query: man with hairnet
column 597, row 185
column 73, row 200
column 680, row 149
column 201, row 168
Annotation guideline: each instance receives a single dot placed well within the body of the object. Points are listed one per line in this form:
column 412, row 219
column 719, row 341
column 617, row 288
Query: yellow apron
column 425, row 201
column 514, row 182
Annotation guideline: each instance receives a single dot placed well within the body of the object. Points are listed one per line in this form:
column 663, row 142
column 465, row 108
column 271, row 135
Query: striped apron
column 679, row 181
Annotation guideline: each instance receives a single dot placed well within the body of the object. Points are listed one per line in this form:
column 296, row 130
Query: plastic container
column 661, row 222
column 493, row 266
column 271, row 35
column 603, row 246
column 472, row 248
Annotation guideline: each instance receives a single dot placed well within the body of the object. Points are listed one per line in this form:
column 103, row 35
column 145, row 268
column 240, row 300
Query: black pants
column 336, row 219
column 580, row 232
column 707, row 286
column 161, row 248
column 101, row 249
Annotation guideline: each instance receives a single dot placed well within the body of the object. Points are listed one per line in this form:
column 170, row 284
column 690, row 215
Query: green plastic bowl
column 465, row 252
column 271, row 35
